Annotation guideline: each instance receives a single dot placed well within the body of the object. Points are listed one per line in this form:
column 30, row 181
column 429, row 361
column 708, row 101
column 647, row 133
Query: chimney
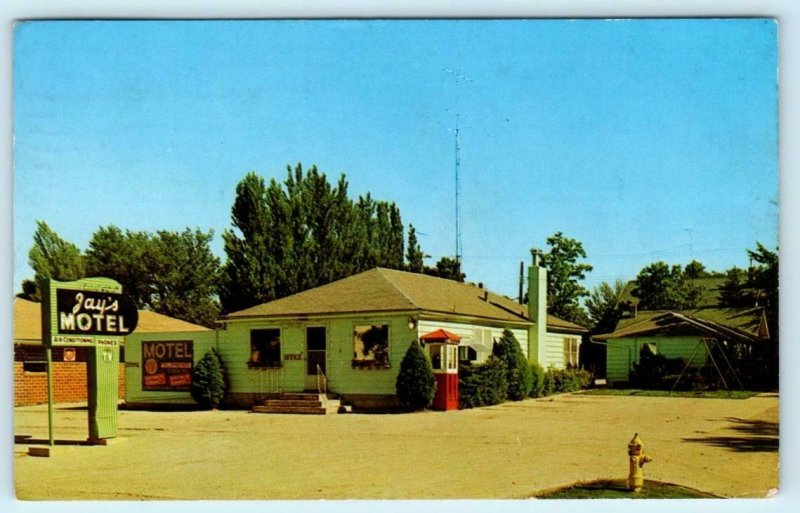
column 521, row 281
column 537, row 308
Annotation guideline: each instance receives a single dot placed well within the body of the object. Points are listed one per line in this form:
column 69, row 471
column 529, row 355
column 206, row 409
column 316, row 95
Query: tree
column 518, row 373
column 763, row 278
column 52, row 257
column 604, row 306
column 247, row 278
column 184, row 276
column 124, row 257
column 661, row 287
column 303, row 233
column 415, row 384
column 732, row 292
column 695, row 269
column 414, row 255
column 447, row 268
column 209, row 385
column 564, row 271
column 172, row 273
column 30, row 291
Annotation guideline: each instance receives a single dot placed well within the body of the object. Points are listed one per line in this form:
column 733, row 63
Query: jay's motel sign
column 91, row 312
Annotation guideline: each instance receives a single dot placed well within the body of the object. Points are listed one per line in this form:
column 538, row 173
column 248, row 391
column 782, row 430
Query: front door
column 316, row 348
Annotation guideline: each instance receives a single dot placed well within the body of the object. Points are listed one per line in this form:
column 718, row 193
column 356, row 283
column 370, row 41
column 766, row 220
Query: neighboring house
column 684, row 333
column 355, row 332
column 69, row 363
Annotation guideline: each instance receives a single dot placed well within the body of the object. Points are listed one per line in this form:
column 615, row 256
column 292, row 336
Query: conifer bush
column 209, row 385
column 537, row 382
column 518, row 374
column 415, row 383
column 484, row 384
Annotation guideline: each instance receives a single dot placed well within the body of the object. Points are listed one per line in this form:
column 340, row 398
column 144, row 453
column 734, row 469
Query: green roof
column 749, row 322
column 389, row 290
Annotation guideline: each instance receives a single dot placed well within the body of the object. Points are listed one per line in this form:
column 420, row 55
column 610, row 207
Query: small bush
column 518, row 374
column 537, row 380
column 656, row 371
column 549, row 385
column 415, row 383
column 558, row 381
column 483, row 384
column 571, row 380
column 209, row 385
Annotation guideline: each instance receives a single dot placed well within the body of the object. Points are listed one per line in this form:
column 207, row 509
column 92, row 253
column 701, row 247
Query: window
column 34, row 366
column 452, row 353
column 467, row 354
column 436, row 356
column 265, row 348
column 570, row 352
column 371, row 346
column 33, row 358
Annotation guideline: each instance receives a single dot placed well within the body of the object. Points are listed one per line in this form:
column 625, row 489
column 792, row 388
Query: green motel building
column 347, row 338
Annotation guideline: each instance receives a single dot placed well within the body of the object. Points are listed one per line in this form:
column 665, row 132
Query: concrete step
column 316, row 403
column 300, row 396
column 306, row 410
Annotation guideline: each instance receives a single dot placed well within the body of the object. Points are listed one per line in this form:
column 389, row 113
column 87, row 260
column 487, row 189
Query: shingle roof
column 386, row 290
column 743, row 323
column 28, row 322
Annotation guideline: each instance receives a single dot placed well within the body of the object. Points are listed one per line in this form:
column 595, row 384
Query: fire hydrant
column 637, row 460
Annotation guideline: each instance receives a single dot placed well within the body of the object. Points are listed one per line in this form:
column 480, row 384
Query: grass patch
column 704, row 394
column 618, row 489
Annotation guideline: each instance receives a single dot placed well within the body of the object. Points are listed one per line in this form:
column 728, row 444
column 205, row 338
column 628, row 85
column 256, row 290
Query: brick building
column 69, row 363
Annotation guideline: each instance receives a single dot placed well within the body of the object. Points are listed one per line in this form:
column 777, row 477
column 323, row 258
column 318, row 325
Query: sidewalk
column 724, row 447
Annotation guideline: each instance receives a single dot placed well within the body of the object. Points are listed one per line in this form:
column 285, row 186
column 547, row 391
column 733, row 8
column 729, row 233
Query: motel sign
column 89, row 312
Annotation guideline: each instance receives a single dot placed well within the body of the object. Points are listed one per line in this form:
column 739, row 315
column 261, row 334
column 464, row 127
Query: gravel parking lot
column 725, row 447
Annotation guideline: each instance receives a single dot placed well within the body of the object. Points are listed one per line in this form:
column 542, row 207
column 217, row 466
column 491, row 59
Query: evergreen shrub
column 656, row 371
column 537, row 380
column 415, row 385
column 558, row 381
column 209, row 384
column 483, row 384
column 549, row 385
column 518, row 374
column 570, row 380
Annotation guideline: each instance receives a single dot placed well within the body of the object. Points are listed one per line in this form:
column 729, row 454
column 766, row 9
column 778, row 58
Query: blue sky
column 646, row 140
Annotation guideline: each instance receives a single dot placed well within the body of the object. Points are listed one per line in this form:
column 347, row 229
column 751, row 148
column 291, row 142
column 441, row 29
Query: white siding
column 554, row 349
column 479, row 336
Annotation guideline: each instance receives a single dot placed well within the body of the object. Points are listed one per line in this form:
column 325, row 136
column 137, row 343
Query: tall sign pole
column 48, row 351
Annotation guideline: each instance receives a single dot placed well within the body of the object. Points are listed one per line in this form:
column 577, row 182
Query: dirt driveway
column 725, row 447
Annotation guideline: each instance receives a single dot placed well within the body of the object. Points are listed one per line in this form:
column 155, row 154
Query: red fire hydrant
column 637, row 459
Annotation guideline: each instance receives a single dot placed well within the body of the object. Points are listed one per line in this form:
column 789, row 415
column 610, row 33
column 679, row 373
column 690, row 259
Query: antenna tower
column 458, row 77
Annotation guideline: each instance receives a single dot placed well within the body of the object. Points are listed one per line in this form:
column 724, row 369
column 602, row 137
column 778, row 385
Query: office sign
column 167, row 365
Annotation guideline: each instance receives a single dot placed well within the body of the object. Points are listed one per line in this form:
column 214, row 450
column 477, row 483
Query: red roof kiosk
column 443, row 351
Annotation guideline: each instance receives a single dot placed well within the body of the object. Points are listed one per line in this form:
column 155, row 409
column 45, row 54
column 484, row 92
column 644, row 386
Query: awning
column 442, row 336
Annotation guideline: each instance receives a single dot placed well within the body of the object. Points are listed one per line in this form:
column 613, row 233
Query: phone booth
column 443, row 351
